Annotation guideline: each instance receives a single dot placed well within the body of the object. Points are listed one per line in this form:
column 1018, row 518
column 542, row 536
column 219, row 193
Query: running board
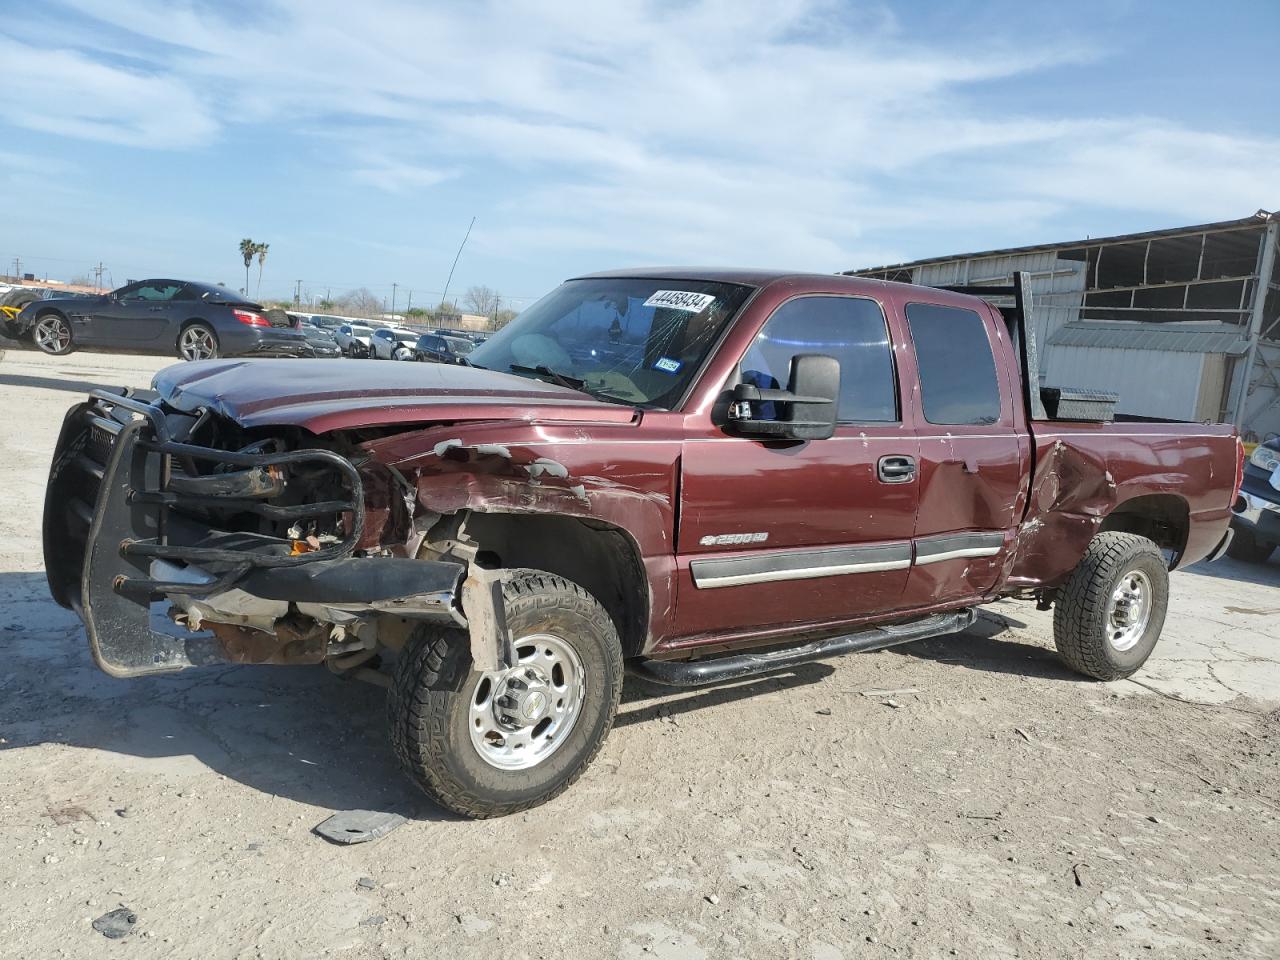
column 698, row 673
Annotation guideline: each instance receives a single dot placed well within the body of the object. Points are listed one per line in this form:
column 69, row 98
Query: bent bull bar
column 113, row 518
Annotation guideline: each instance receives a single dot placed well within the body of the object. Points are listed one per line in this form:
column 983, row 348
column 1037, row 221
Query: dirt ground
column 995, row 806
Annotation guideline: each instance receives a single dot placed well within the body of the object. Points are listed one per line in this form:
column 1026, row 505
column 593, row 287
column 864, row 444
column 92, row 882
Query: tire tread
column 1085, row 598
column 426, row 676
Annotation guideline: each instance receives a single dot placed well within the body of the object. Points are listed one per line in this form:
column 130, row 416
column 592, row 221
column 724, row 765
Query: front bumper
column 122, row 548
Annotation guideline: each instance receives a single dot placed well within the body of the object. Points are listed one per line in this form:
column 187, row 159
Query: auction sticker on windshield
column 681, row 300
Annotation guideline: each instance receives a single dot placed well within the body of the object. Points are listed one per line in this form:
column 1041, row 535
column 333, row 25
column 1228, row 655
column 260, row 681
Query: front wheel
column 197, row 342
column 52, row 334
column 1108, row 617
column 486, row 744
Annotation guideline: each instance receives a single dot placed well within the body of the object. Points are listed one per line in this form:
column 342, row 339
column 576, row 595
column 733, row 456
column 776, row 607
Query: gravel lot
column 997, row 806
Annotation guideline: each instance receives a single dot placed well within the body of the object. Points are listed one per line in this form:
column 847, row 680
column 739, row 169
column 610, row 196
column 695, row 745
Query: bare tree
column 502, row 316
column 482, row 300
column 362, row 302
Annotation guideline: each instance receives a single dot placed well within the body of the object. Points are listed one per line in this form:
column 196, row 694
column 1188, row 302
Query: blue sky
column 360, row 139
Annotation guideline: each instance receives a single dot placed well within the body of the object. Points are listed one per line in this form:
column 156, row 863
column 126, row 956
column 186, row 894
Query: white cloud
column 756, row 131
column 65, row 92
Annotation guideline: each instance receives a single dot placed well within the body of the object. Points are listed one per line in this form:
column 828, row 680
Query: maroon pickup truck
column 698, row 474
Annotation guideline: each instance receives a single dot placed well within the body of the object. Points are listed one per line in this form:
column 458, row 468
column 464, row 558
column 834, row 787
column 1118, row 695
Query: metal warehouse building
column 1170, row 320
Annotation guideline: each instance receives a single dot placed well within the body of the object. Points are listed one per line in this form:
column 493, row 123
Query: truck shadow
column 644, row 701
column 294, row 732
column 986, row 646
column 1266, row 574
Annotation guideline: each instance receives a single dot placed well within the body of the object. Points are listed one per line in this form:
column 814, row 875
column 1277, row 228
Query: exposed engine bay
column 187, row 539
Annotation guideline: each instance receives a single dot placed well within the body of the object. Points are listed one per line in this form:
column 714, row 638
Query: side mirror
column 806, row 410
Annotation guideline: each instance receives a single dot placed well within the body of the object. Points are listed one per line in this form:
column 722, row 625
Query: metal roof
column 1257, row 220
column 1167, row 337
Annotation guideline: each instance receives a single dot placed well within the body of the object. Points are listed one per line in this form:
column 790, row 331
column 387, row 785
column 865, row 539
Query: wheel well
column 602, row 559
column 1162, row 518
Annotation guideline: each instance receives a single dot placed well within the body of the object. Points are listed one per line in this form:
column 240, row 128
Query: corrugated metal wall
column 1057, row 286
column 1151, row 383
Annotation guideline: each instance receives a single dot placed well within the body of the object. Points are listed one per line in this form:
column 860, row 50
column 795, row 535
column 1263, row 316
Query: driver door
column 139, row 314
column 780, row 533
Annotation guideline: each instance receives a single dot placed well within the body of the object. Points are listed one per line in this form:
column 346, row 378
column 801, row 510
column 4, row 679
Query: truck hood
column 320, row 395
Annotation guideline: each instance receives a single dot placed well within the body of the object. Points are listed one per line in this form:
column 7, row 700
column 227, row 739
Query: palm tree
column 247, row 249
column 261, row 250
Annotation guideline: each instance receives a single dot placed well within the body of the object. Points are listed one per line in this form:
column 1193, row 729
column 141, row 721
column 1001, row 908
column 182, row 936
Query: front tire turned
column 1108, row 617
column 491, row 744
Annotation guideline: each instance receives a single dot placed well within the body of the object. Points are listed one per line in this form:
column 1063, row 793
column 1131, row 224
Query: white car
column 353, row 339
column 389, row 341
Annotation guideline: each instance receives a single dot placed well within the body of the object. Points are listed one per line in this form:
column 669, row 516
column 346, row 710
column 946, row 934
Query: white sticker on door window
column 681, row 300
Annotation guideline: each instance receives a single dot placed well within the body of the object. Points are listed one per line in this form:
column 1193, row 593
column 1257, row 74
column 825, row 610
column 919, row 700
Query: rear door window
column 958, row 383
column 851, row 329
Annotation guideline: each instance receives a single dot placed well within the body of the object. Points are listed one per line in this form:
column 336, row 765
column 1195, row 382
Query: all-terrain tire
column 1082, row 625
column 1246, row 547
column 433, row 682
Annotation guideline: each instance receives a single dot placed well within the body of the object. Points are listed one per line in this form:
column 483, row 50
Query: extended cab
column 703, row 474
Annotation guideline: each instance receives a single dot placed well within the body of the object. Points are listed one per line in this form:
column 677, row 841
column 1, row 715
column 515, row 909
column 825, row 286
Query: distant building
column 1170, row 320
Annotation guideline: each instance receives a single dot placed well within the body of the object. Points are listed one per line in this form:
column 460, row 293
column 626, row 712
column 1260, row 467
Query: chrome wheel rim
column 1130, row 611
column 196, row 343
column 52, row 335
column 519, row 717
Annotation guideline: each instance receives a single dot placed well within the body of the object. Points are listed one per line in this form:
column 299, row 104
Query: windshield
column 638, row 341
column 460, row 347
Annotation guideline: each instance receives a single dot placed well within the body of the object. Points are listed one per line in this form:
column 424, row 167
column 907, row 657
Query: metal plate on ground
column 358, row 826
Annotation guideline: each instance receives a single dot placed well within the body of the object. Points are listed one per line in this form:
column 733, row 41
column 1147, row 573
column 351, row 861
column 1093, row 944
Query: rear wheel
column 1108, row 617
column 1245, row 546
column 487, row 744
column 197, row 341
column 52, row 334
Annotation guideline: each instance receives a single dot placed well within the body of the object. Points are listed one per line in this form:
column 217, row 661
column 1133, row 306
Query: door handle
column 896, row 469
column 155, row 309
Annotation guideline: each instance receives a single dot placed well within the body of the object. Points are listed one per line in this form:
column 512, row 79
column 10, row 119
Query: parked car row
column 201, row 321
column 403, row 343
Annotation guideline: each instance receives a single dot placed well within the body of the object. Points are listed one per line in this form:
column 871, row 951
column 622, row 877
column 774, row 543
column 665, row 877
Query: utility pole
column 393, row 298
column 97, row 277
column 297, row 292
column 17, row 269
column 409, row 306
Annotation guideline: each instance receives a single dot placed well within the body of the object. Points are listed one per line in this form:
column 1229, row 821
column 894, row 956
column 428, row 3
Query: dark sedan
column 319, row 338
column 434, row 348
column 196, row 321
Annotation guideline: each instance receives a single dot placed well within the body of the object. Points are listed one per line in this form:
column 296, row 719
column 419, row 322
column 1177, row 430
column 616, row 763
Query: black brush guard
column 112, row 509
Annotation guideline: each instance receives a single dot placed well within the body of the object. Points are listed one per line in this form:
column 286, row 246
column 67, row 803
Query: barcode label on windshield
column 681, row 300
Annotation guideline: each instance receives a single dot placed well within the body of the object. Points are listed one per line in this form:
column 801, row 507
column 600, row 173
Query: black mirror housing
column 807, row 408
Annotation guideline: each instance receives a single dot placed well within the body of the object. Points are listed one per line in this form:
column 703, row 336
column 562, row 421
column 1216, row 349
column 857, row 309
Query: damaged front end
column 181, row 541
